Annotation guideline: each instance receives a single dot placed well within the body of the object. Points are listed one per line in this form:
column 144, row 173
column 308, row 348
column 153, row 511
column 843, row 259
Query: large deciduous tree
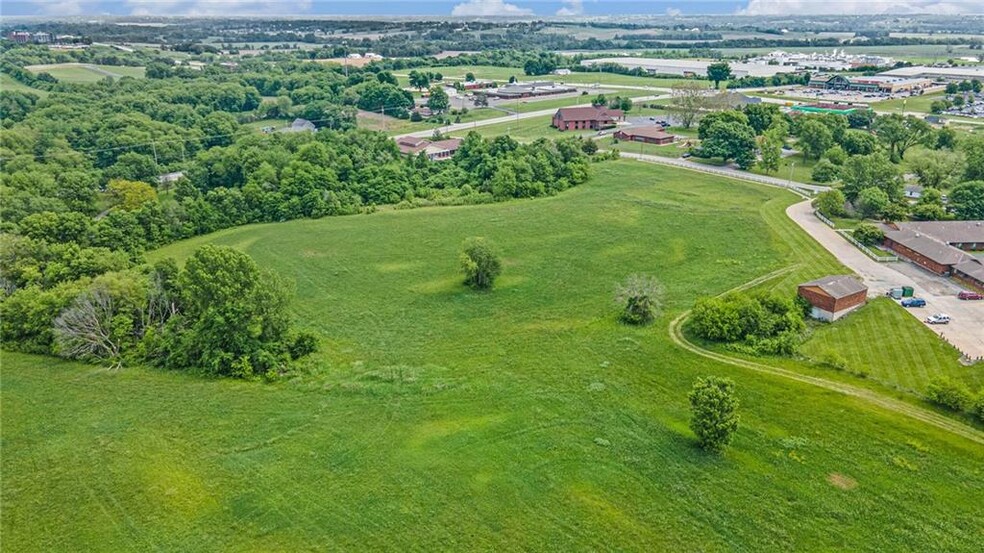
column 730, row 140
column 898, row 133
column 718, row 72
column 689, row 100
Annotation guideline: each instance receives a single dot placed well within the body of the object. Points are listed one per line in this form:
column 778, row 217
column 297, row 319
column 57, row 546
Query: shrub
column 949, row 394
column 832, row 360
column 868, row 234
column 714, row 412
column 977, row 409
column 480, row 263
column 831, row 203
column 761, row 323
column 640, row 298
column 824, row 171
column 302, row 345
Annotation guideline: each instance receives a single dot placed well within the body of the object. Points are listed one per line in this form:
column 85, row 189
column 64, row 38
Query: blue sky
column 481, row 7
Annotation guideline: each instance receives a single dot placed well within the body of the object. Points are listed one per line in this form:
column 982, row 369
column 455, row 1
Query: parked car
column 914, row 302
column 686, row 155
column 965, row 295
column 938, row 319
column 894, row 293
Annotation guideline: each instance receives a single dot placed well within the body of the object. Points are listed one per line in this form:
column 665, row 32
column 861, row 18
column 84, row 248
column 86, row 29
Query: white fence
column 867, row 251
column 847, row 236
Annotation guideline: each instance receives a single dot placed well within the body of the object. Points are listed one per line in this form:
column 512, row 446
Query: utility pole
column 153, row 145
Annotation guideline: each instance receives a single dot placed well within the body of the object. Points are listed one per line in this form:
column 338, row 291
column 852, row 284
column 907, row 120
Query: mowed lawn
column 527, row 418
column 86, row 73
column 906, row 356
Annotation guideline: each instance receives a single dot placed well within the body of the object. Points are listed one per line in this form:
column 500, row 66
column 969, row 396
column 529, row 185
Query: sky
column 519, row 8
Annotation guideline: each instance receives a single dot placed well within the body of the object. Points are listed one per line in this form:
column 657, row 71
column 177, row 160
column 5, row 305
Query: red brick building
column 649, row 135
column 593, row 118
column 937, row 246
column 833, row 297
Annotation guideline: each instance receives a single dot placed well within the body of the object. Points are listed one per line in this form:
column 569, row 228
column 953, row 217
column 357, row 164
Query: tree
column 714, row 407
column 860, row 118
column 730, row 140
column 727, row 116
column 219, row 128
column 481, row 100
column 689, row 100
column 875, row 170
column 824, row 171
column 419, row 80
column 718, row 72
column 859, row 143
column 872, row 202
column 133, row 166
column 480, row 263
column 771, row 152
column 469, row 77
column 967, row 200
column 640, row 299
column 937, row 168
column 760, row 116
column 898, row 133
column 235, row 318
column 131, row 195
column 814, row 139
column 868, row 234
column 438, row 101
column 973, row 150
column 930, row 206
column 831, row 203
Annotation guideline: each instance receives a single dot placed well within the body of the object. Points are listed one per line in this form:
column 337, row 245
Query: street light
column 791, row 165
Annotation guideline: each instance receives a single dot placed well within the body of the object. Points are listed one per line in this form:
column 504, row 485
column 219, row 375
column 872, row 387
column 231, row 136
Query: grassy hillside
column 436, row 418
column 86, row 73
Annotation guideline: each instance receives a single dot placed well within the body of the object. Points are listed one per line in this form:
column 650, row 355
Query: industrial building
column 692, row 68
column 528, row 90
column 962, row 73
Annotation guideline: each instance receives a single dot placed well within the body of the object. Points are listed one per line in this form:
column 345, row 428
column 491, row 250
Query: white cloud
column 489, row 8
column 571, row 7
column 673, row 12
column 216, row 7
column 861, row 7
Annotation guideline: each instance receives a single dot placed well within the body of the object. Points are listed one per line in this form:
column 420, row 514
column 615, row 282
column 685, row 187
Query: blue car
column 914, row 302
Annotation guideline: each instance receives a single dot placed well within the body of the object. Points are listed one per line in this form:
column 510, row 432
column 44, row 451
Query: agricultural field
column 527, row 417
column 86, row 73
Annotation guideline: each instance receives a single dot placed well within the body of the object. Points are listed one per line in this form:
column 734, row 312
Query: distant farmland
column 86, row 72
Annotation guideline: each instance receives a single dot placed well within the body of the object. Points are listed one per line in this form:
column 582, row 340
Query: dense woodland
column 81, row 201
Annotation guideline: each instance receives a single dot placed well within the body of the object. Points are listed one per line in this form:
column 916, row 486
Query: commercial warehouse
column 964, row 73
column 878, row 83
column 692, row 68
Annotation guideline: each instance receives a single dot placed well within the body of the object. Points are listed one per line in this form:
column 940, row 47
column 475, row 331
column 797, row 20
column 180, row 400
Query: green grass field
column 915, row 104
column 86, row 73
column 9, row 83
column 528, row 418
column 393, row 125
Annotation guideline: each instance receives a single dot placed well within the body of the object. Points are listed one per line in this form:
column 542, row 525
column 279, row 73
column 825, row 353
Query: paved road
column 517, row 117
column 803, row 189
column 965, row 332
